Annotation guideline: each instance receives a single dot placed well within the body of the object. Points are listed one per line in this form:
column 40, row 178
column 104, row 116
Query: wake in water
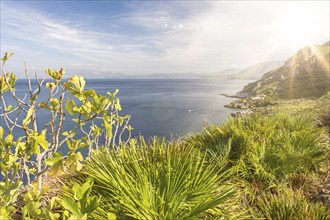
column 193, row 110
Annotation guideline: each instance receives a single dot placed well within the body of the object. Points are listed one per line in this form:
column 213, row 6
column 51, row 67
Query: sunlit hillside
column 304, row 75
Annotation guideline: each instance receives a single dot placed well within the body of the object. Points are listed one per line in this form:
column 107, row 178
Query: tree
column 29, row 158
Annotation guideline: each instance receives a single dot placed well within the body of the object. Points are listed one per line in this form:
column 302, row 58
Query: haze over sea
column 165, row 107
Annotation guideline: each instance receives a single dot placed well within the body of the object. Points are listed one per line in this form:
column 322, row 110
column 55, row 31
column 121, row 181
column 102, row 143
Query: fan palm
column 157, row 181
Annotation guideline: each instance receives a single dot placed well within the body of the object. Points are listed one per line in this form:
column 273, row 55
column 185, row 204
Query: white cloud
column 163, row 36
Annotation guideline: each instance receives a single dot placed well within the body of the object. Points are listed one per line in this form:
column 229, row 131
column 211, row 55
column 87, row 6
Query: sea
column 169, row 108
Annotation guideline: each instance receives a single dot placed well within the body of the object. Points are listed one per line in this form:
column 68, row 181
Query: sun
column 296, row 28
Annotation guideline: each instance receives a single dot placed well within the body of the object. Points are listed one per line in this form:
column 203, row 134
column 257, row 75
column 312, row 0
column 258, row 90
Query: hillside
column 254, row 72
column 304, row 75
column 226, row 74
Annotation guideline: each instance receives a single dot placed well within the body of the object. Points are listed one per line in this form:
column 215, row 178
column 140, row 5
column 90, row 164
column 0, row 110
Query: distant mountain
column 172, row 76
column 256, row 71
column 249, row 73
column 225, row 74
column 229, row 72
column 304, row 75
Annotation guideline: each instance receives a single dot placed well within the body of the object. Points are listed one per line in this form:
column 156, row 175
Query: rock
column 242, row 94
column 242, row 113
column 229, row 96
column 241, row 104
column 261, row 97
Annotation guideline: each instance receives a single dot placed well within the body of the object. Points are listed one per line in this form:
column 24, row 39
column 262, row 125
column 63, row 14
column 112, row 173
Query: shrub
column 30, row 151
column 267, row 148
column 289, row 205
column 157, row 181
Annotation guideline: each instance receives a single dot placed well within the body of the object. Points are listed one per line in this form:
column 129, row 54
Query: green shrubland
column 261, row 166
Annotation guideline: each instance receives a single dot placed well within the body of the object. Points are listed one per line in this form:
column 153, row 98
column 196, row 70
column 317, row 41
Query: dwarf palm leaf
column 157, row 180
column 290, row 205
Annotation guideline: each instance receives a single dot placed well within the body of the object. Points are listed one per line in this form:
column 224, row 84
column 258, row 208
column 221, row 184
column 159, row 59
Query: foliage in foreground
column 267, row 160
column 32, row 151
column 269, row 148
column 249, row 167
column 289, row 205
column 158, row 180
column 271, row 158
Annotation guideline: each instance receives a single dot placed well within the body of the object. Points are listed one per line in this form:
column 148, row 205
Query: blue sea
column 164, row 107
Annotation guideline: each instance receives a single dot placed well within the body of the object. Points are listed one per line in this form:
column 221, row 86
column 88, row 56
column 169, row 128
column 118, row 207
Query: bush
column 289, row 205
column 30, row 151
column 156, row 181
column 267, row 148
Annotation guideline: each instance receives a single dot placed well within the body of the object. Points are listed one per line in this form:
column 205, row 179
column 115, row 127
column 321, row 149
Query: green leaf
column 33, row 208
column 54, row 102
column 61, row 72
column 78, row 165
column 8, row 139
column 54, row 74
column 50, row 85
column 107, row 125
column 82, row 191
column 41, row 140
column 52, row 202
column 76, row 84
column 69, row 204
column 49, row 215
column 93, row 204
column 71, row 106
column 55, row 159
column 20, row 147
column 56, row 168
column 70, row 146
column 117, row 105
column 27, row 120
column 9, row 159
column 35, row 147
column 74, row 161
column 90, row 93
column 44, row 105
column 7, row 56
column 111, row 216
column 9, row 108
column 1, row 133
column 79, row 156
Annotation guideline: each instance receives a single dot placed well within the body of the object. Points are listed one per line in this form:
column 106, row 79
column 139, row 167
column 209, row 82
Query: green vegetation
column 158, row 180
column 250, row 167
column 269, row 165
column 27, row 161
column 305, row 75
column 289, row 205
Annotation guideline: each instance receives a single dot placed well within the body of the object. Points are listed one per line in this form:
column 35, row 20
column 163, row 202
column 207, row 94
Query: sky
column 105, row 38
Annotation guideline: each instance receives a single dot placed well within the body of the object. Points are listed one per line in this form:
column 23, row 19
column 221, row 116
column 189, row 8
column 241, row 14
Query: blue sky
column 101, row 38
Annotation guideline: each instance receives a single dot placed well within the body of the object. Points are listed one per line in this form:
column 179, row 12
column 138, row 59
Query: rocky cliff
column 304, row 75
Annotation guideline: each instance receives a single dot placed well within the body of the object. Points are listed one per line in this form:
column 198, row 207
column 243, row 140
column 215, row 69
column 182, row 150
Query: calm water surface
column 171, row 106
column 165, row 107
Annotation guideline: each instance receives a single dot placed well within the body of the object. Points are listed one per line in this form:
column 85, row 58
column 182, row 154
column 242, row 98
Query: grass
column 289, row 205
column 268, row 156
column 248, row 168
column 268, row 165
column 311, row 107
column 157, row 180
